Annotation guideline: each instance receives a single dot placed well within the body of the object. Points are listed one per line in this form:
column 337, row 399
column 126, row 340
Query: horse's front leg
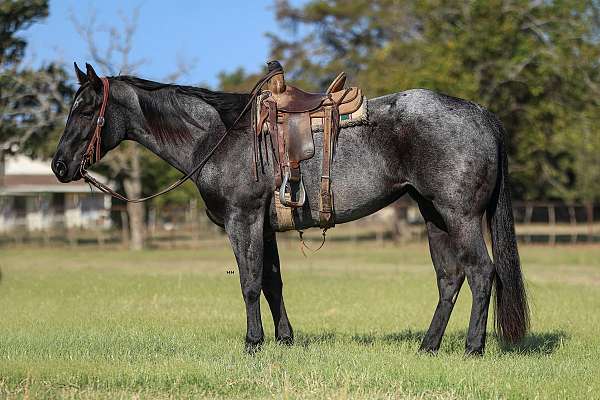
column 245, row 231
column 273, row 290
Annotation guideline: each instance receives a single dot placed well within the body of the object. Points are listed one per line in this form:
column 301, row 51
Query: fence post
column 124, row 228
column 589, row 208
column 72, row 236
column 552, row 223
column 528, row 215
column 100, row 232
column 194, row 220
column 573, row 221
column 46, row 237
column 151, row 227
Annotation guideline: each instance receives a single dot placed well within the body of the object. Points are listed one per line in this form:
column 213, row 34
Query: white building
column 32, row 199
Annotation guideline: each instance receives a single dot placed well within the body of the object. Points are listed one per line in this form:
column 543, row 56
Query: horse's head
column 82, row 121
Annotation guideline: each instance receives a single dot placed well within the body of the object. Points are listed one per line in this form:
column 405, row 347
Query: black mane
column 166, row 118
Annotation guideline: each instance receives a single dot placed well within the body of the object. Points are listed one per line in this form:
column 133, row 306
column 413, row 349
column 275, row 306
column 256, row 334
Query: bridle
column 93, row 149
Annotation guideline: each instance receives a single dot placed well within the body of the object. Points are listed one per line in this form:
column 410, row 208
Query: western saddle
column 287, row 115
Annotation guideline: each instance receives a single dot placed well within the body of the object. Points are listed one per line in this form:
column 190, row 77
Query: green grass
column 89, row 323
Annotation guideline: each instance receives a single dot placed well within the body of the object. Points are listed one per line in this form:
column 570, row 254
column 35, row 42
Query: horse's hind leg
column 450, row 277
column 472, row 254
column 457, row 249
column 273, row 290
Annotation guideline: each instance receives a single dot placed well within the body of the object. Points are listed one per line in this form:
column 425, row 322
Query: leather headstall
column 93, row 151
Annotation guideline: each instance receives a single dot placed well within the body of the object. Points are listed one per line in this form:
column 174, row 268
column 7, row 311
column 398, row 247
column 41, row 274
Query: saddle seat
column 295, row 100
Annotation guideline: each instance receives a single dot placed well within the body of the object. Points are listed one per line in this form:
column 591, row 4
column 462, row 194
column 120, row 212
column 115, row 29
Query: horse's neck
column 180, row 154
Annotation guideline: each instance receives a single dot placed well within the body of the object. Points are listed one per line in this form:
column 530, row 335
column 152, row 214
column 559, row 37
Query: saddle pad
column 358, row 117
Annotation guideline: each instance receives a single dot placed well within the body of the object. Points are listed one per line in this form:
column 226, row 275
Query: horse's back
column 429, row 109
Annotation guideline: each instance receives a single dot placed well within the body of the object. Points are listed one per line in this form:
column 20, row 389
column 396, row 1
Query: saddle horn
column 276, row 84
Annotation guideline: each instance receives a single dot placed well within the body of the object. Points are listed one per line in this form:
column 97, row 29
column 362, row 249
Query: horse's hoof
column 429, row 351
column 286, row 340
column 252, row 347
column 473, row 352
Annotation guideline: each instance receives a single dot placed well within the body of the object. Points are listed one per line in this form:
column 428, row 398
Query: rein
column 92, row 153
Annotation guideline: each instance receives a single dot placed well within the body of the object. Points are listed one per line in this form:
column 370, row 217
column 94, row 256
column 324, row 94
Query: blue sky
column 217, row 35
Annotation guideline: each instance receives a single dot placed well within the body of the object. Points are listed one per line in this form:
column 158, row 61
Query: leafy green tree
column 16, row 16
column 158, row 175
column 533, row 63
column 33, row 103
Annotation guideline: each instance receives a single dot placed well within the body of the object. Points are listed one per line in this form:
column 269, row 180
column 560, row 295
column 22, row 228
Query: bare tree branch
column 33, row 103
column 115, row 58
column 120, row 42
column 183, row 68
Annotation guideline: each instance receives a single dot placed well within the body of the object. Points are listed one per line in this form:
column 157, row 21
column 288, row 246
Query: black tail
column 511, row 309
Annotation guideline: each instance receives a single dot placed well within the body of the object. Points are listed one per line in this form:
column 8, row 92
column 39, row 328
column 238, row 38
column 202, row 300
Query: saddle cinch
column 289, row 115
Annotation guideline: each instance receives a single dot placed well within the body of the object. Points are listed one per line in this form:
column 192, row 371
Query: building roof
column 24, row 175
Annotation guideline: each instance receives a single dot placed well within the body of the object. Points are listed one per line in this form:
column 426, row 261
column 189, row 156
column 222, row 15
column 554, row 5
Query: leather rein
column 93, row 150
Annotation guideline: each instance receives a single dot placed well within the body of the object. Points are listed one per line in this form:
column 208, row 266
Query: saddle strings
column 303, row 244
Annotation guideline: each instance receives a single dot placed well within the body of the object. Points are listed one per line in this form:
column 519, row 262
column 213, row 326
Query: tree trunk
column 136, row 211
column 2, row 167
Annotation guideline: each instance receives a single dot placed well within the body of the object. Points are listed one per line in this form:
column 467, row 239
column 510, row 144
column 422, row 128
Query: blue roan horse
column 448, row 154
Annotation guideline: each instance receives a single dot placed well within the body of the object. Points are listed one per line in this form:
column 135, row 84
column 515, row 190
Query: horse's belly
column 360, row 183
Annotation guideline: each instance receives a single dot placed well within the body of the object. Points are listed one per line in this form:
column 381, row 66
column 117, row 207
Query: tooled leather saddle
column 287, row 114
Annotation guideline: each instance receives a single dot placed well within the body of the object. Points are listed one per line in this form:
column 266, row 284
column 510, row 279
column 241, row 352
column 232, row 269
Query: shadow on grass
column 306, row 339
column 537, row 343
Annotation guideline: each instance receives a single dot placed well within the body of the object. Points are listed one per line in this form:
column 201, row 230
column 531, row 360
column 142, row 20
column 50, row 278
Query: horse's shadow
column 536, row 343
column 542, row 343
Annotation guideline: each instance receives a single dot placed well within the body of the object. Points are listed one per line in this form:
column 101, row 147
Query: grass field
column 170, row 324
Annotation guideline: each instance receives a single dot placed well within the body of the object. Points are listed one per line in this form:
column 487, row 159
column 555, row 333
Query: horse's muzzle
column 60, row 169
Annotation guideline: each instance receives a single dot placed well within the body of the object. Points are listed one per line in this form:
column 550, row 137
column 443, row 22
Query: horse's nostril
column 60, row 168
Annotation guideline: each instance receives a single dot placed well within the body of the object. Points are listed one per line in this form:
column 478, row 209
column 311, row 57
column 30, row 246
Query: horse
column 447, row 154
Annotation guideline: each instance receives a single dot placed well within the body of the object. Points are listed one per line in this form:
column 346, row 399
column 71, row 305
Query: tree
column 33, row 103
column 533, row 63
column 16, row 16
column 238, row 81
column 127, row 161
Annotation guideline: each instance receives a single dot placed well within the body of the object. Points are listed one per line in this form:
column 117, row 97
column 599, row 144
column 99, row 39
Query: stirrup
column 283, row 189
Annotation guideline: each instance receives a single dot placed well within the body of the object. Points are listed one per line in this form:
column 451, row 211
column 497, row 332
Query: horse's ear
column 93, row 78
column 81, row 76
